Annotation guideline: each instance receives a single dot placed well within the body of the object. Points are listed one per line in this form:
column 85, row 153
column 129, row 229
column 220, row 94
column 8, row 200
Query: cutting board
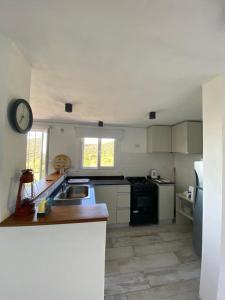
column 61, row 161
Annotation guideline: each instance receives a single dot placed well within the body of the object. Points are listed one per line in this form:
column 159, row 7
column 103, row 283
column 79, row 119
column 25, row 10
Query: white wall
column 53, row 262
column 221, row 287
column 15, row 83
column 132, row 157
column 185, row 175
column 213, row 257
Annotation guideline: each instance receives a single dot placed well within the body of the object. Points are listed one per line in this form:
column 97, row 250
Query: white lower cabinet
column 117, row 199
column 123, row 200
column 107, row 194
column 123, row 216
column 166, row 203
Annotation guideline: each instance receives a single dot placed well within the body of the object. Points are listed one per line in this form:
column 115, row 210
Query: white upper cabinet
column 187, row 137
column 159, row 139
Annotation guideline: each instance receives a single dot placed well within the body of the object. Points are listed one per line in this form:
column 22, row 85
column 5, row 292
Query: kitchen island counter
column 61, row 214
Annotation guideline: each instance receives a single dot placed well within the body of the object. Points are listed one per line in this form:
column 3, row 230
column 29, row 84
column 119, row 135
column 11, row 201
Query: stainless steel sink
column 73, row 194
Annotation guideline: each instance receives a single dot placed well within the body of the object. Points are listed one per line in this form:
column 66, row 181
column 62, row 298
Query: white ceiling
column 117, row 60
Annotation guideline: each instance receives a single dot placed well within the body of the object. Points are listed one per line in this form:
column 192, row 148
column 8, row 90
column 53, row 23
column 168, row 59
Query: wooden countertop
column 61, row 215
column 58, row 214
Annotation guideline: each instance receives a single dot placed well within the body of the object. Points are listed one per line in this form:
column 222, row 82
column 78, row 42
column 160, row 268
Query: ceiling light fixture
column 152, row 115
column 68, row 107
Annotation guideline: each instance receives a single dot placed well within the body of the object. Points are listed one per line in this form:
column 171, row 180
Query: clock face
column 20, row 116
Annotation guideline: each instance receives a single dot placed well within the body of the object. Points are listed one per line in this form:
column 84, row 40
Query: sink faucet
column 63, row 187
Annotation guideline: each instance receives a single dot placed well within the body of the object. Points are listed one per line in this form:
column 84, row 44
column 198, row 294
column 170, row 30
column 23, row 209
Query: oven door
column 144, row 204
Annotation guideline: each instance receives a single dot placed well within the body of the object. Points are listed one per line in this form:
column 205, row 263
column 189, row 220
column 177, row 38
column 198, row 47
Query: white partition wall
column 53, row 262
column 212, row 285
column 15, row 74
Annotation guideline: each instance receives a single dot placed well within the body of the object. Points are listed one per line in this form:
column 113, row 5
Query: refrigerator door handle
column 196, row 195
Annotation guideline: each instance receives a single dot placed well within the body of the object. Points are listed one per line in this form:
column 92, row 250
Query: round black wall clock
column 20, row 116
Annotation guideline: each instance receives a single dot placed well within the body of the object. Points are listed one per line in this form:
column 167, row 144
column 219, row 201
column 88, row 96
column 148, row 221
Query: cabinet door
column 195, row 138
column 123, row 200
column 180, row 138
column 159, row 139
column 107, row 194
column 123, row 216
column 123, row 188
column 166, row 203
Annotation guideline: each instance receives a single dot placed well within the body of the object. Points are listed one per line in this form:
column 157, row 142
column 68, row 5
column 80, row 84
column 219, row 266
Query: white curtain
column 100, row 132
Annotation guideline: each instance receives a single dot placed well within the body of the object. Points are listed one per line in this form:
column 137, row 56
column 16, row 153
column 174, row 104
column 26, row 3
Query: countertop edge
column 68, row 214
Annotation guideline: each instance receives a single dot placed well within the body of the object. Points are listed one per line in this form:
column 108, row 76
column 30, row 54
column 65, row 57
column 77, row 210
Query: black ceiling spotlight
column 68, row 107
column 100, row 124
column 152, row 115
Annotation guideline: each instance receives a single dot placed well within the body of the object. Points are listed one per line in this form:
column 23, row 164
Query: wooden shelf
column 184, row 198
column 181, row 201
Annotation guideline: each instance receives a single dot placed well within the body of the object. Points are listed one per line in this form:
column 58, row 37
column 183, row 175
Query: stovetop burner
column 134, row 180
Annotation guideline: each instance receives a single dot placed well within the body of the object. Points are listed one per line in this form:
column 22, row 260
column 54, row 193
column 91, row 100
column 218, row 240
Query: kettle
column 154, row 174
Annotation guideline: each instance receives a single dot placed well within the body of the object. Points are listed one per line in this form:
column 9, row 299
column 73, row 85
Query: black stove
column 134, row 180
column 144, row 201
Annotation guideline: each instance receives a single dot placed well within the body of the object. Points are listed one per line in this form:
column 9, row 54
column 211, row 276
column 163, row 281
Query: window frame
column 99, row 167
column 42, row 130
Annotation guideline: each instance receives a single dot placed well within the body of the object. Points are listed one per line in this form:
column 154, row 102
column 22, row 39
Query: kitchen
column 100, row 148
column 119, row 191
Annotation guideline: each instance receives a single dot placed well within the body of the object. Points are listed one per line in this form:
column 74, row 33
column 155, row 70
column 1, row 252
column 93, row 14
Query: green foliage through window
column 98, row 153
column 36, row 153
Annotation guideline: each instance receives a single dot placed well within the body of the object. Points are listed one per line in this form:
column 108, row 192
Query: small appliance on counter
column 154, row 174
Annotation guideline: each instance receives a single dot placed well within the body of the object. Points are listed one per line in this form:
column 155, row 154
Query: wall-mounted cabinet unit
column 159, row 139
column 187, row 137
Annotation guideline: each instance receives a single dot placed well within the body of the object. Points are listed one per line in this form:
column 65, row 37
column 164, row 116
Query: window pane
column 107, row 152
column 36, row 153
column 90, row 153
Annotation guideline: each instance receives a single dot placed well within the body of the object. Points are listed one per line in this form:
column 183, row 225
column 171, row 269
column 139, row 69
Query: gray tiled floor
column 151, row 263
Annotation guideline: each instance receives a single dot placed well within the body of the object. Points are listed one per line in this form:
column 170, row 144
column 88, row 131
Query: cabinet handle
column 135, row 211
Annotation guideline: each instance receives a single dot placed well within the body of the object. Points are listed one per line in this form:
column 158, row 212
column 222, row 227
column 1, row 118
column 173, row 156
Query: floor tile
column 186, row 254
column 173, row 274
column 124, row 283
column 135, row 240
column 174, row 236
column 118, row 297
column 117, row 253
column 108, row 242
column 147, row 262
column 185, row 296
column 169, row 291
column 111, row 267
column 161, row 247
column 151, row 263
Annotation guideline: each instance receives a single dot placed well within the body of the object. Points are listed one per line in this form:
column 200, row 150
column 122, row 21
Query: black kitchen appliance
column 144, row 201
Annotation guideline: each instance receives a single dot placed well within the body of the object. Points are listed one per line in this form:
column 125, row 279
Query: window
column 37, row 152
column 98, row 153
